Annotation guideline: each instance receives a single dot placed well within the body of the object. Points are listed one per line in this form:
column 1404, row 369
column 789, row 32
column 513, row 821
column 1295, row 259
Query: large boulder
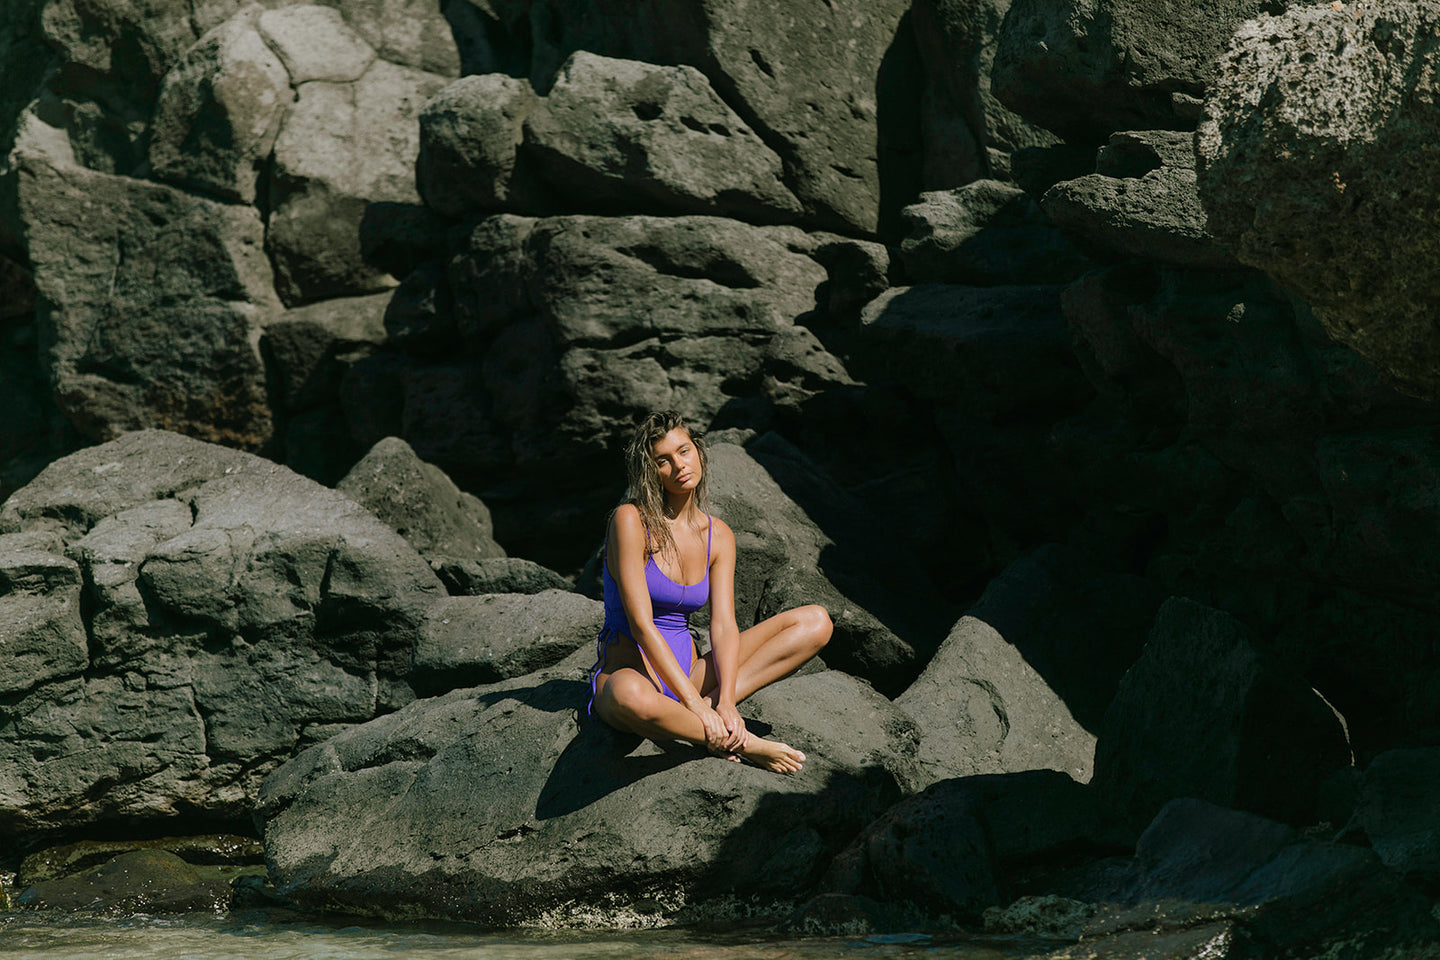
column 981, row 708
column 1086, row 68
column 1315, row 156
column 619, row 134
column 470, row 136
column 233, row 612
column 1396, row 811
column 827, row 85
column 150, row 300
column 421, row 503
column 959, row 846
column 504, row 804
column 1202, row 714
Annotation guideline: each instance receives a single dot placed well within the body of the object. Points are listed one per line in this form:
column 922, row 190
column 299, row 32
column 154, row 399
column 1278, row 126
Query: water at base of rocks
column 260, row 935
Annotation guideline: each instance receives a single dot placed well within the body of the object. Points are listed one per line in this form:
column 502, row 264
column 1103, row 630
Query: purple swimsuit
column 671, row 604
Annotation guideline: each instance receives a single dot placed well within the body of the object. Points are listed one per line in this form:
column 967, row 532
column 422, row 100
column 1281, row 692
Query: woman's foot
column 771, row 754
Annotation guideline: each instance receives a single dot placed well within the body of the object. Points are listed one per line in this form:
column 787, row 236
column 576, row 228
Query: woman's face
column 678, row 461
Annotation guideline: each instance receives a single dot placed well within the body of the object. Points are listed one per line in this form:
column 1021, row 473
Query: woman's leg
column 628, row 700
column 770, row 650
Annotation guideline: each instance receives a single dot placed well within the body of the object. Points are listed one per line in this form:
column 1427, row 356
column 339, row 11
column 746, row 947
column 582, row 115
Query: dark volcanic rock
column 234, row 611
column 1315, row 156
column 1086, row 68
column 423, row 505
column 473, row 578
column 1396, row 810
column 1201, row 714
column 466, row 641
column 949, row 849
column 493, row 805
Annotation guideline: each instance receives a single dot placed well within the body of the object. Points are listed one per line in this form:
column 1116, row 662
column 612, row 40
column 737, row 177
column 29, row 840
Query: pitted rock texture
column 233, row 611
column 1316, row 158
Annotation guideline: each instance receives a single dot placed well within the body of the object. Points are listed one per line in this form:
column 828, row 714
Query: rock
column 1049, row 916
column 1201, row 864
column 822, row 551
column 315, row 43
column 44, row 636
column 343, row 146
column 219, row 110
column 152, row 300
column 985, row 233
column 467, row 641
column 309, row 348
column 412, row 33
column 133, row 47
column 1141, row 202
column 1086, row 68
column 819, row 84
column 1312, row 187
column 1396, row 811
column 988, row 353
column 53, row 863
column 236, row 611
column 962, row 122
column 1201, row 714
column 982, row 709
column 475, row 578
column 145, row 881
column 470, row 134
column 950, row 849
column 1078, row 626
column 632, row 137
column 555, row 831
column 421, row 503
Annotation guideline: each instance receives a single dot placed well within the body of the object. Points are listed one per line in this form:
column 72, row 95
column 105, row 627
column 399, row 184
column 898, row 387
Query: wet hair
column 642, row 476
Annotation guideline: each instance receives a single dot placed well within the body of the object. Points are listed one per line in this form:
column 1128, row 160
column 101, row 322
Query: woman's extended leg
column 628, row 700
column 770, row 650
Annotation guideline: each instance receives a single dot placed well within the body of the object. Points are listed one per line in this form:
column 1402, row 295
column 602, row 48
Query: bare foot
column 771, row 754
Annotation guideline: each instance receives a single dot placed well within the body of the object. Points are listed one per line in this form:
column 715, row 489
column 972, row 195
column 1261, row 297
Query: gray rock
column 309, row 348
column 813, row 84
column 40, row 621
column 1200, row 863
column 1314, row 186
column 342, row 146
column 953, row 849
column 982, row 708
column 467, row 641
column 470, row 134
column 411, row 33
column 1200, row 714
column 1396, row 811
column 1076, row 624
column 235, row 611
column 421, row 503
column 1142, row 201
column 219, row 110
column 475, row 578
column 315, row 43
column 985, row 233
column 151, row 299
column 988, row 353
column 635, row 137
column 1086, row 68
column 497, row 792
column 68, row 859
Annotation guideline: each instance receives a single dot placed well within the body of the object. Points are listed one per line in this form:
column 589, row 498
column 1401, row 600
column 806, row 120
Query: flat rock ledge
column 506, row 805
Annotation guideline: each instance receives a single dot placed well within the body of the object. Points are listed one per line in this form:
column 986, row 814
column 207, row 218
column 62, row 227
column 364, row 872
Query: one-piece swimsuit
column 671, row 604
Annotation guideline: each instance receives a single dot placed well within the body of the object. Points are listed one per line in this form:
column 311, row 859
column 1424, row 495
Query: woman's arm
column 626, row 544
column 724, row 631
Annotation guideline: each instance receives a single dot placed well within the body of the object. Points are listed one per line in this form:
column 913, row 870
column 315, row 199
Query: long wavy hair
column 642, row 478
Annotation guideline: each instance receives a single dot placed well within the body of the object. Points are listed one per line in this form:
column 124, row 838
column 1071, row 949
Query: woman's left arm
column 725, row 632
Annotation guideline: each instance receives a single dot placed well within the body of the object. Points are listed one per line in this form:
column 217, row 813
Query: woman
column 664, row 558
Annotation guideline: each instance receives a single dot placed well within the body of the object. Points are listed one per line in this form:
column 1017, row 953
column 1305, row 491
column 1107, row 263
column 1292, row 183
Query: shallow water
column 261, row 935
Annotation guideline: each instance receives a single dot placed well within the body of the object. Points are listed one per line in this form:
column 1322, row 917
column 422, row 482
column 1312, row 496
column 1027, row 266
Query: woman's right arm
column 627, row 544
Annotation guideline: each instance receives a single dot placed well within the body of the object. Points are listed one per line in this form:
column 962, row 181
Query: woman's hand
column 734, row 725
column 715, row 732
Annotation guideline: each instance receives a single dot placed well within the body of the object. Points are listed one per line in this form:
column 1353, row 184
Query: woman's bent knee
column 627, row 696
column 817, row 624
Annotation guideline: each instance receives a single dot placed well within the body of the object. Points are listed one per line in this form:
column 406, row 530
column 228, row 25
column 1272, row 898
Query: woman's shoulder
column 722, row 531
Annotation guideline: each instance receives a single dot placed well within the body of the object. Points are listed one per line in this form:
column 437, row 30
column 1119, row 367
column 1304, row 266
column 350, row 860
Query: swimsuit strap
column 709, row 531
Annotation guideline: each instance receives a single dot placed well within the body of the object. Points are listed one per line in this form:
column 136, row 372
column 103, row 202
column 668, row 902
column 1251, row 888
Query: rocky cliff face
column 1012, row 321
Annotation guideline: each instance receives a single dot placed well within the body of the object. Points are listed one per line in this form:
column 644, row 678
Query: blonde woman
column 666, row 557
